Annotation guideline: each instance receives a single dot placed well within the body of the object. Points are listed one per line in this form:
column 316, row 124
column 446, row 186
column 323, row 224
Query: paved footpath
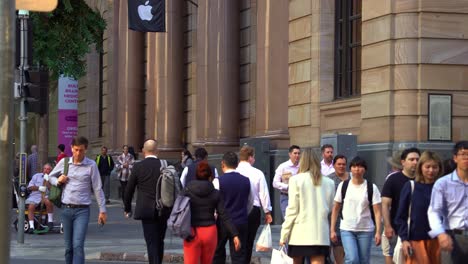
column 120, row 239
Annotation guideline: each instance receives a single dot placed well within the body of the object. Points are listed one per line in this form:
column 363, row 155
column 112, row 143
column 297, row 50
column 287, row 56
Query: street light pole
column 23, row 68
column 7, row 33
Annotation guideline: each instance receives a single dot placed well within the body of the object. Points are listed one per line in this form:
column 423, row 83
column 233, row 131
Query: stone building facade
column 288, row 71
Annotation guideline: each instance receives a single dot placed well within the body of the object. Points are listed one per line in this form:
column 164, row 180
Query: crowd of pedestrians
column 331, row 212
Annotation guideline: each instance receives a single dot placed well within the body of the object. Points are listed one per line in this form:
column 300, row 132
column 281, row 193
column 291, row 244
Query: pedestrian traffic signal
column 37, row 91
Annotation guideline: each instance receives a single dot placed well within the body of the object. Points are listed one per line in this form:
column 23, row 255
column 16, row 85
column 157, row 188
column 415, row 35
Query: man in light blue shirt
column 448, row 210
column 82, row 177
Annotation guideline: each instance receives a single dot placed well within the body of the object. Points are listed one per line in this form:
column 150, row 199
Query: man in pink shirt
column 284, row 171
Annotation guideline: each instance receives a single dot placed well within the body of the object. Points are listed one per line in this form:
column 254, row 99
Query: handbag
column 264, row 242
column 55, row 192
column 398, row 255
column 279, row 256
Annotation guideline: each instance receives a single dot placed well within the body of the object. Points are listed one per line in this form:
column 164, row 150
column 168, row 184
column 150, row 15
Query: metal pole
column 23, row 16
column 7, row 37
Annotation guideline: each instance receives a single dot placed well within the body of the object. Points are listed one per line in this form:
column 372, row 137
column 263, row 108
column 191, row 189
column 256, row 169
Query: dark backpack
column 370, row 194
column 168, row 186
column 180, row 220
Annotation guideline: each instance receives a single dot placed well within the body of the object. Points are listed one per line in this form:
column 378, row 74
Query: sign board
column 440, row 117
column 67, row 112
column 36, row 5
column 23, row 161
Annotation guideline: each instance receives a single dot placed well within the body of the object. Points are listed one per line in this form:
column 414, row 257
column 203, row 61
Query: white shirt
column 356, row 213
column 286, row 166
column 185, row 172
column 258, row 185
column 36, row 196
column 326, row 169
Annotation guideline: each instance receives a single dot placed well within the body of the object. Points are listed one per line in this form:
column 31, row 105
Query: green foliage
column 63, row 37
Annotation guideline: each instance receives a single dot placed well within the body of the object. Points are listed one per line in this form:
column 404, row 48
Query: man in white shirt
column 39, row 188
column 284, row 171
column 327, row 160
column 259, row 192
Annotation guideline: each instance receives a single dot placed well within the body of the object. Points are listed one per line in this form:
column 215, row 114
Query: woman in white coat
column 306, row 227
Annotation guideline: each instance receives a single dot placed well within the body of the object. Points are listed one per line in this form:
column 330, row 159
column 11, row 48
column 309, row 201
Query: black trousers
column 154, row 232
column 253, row 224
column 123, row 185
column 237, row 257
column 459, row 254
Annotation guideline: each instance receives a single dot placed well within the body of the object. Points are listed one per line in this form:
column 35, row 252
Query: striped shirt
column 125, row 172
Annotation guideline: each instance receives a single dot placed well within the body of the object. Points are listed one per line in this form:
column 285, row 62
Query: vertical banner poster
column 67, row 112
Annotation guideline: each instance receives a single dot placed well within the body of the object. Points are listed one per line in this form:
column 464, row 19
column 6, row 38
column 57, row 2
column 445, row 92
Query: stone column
column 217, row 107
column 130, row 83
column 164, row 110
column 271, row 111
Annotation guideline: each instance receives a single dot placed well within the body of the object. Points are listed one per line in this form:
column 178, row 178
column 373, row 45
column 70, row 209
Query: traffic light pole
column 24, row 17
column 7, row 30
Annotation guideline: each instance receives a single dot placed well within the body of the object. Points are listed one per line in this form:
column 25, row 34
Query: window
column 347, row 48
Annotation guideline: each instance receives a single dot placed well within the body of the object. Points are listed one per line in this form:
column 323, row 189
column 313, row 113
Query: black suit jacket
column 144, row 176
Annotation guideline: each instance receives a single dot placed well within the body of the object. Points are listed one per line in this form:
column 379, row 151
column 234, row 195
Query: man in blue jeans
column 82, row 177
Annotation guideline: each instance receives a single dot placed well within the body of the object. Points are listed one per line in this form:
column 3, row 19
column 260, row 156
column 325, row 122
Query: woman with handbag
column 305, row 227
column 204, row 201
column 411, row 218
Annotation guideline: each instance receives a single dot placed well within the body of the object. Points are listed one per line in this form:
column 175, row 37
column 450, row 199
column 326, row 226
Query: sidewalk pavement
column 121, row 239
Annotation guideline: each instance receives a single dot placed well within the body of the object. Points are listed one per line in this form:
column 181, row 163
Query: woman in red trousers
column 204, row 201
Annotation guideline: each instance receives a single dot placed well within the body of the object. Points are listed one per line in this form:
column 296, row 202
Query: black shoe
column 31, row 231
column 107, row 202
column 50, row 225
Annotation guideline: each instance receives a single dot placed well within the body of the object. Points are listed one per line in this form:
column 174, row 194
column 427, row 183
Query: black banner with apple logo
column 147, row 15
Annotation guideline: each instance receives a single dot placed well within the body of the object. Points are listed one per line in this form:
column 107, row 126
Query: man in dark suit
column 144, row 176
column 235, row 190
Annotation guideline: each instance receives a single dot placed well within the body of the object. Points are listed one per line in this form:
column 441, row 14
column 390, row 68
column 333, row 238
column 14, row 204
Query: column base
column 218, row 146
column 279, row 139
column 169, row 152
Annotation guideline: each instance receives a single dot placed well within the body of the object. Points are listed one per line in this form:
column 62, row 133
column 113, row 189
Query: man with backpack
column 145, row 175
column 105, row 165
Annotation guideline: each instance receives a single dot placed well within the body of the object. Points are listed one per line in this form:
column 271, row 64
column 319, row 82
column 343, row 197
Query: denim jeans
column 357, row 246
column 283, row 203
column 75, row 225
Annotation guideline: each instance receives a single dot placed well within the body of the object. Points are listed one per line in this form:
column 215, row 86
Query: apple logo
column 144, row 11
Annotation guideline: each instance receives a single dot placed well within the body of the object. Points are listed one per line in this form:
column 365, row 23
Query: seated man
column 38, row 187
